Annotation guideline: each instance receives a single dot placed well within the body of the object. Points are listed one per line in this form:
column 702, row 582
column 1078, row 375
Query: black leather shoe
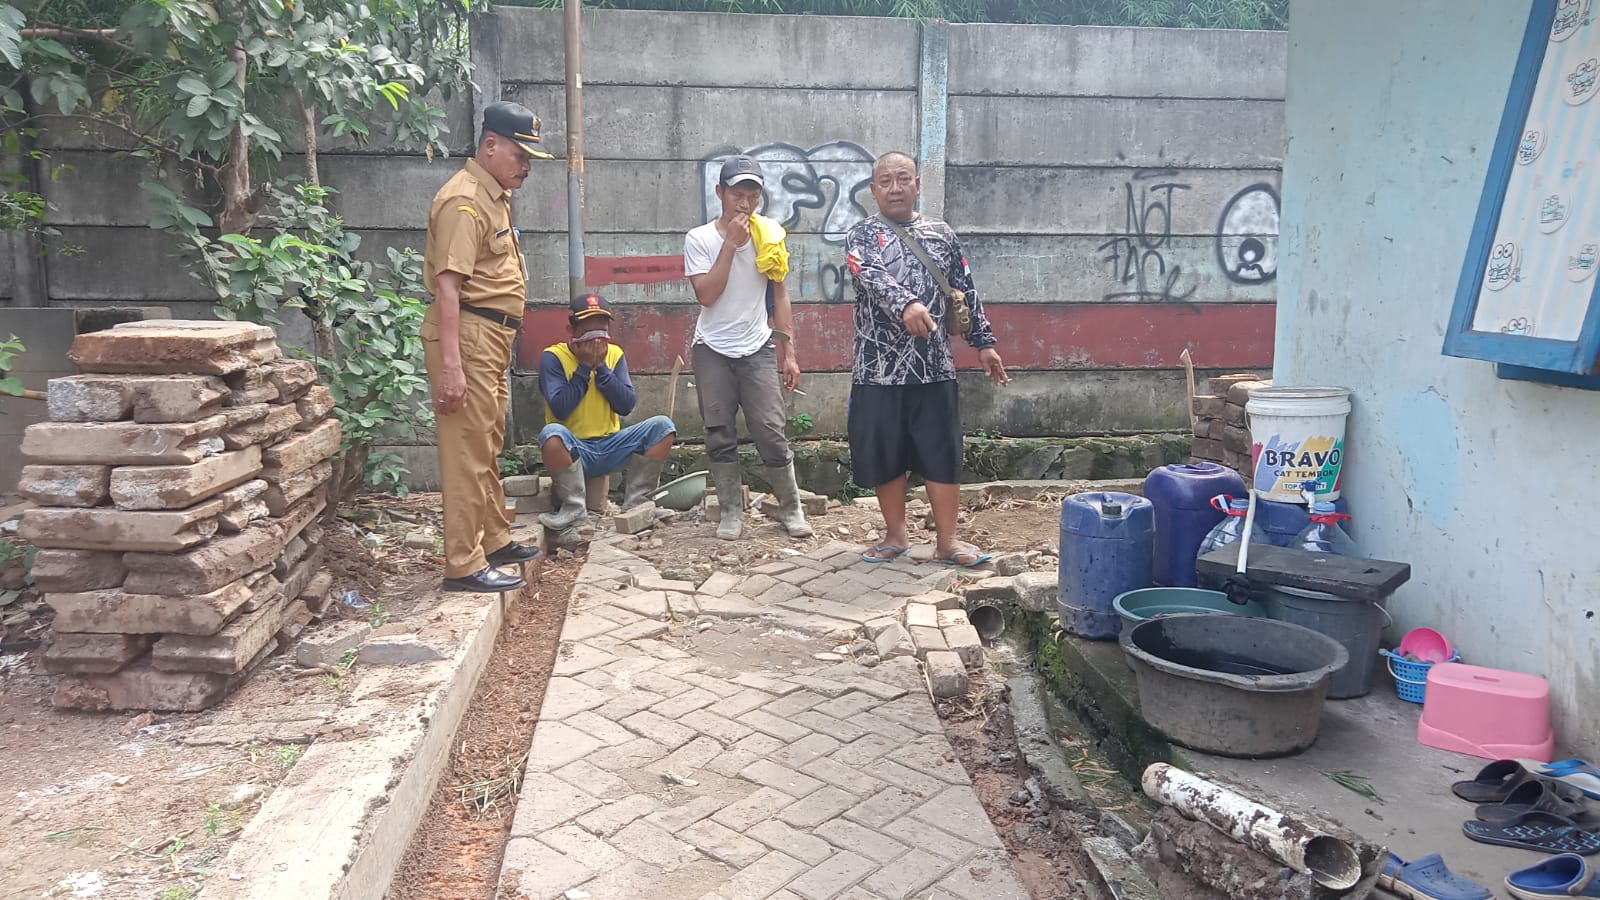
column 515, row 553
column 487, row 580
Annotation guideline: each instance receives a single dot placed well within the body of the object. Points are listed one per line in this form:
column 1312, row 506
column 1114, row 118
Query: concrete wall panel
column 1044, row 60
column 713, row 49
column 1050, row 131
column 1035, row 404
column 983, row 199
column 1011, row 268
column 132, row 264
column 683, row 123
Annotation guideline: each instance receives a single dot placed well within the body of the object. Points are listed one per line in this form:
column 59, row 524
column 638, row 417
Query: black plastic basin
column 1233, row 685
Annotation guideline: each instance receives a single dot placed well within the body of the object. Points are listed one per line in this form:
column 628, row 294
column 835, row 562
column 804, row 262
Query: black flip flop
column 1537, row 831
column 1537, row 795
column 1493, row 784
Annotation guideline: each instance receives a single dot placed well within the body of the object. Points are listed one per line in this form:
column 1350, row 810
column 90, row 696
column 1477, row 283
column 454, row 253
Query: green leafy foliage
column 303, row 262
column 189, row 77
column 10, row 349
column 800, row 423
column 202, row 90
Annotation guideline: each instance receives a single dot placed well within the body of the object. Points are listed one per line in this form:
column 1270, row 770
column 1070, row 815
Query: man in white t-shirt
column 743, row 357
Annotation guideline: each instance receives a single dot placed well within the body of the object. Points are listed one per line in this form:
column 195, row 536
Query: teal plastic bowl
column 683, row 493
column 1137, row 606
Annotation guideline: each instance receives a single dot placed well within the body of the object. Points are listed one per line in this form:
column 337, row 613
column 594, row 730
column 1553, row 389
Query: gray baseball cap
column 741, row 170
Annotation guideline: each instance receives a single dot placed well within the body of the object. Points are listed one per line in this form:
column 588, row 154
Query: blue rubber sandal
column 893, row 551
column 1538, row 831
column 1567, row 875
column 1579, row 773
column 1428, row 878
column 966, row 557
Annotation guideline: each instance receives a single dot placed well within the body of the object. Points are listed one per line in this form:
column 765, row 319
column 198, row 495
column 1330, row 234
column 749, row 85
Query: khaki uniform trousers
column 476, row 521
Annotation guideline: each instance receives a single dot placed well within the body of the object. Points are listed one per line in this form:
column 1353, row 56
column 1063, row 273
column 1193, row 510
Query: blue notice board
column 1527, row 292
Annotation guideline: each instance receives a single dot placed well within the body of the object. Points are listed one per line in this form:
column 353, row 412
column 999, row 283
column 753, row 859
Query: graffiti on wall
column 1144, row 263
column 1139, row 256
column 821, row 189
column 1247, row 236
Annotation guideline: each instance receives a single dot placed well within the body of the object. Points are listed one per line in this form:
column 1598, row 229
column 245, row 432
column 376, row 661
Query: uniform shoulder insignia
column 468, row 210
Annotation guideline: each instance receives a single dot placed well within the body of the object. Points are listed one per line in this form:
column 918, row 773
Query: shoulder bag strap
column 958, row 316
column 921, row 253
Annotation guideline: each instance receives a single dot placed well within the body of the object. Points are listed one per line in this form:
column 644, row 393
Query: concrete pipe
column 1330, row 861
column 987, row 620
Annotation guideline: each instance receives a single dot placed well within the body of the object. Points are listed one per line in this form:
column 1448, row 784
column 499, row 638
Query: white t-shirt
column 736, row 325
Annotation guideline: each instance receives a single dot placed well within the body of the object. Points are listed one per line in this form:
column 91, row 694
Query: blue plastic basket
column 1410, row 676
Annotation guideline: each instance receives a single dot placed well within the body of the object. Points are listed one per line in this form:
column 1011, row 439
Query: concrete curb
column 1031, row 720
column 340, row 824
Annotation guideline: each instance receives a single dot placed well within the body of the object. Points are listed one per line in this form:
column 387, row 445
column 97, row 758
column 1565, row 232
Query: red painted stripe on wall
column 1031, row 336
column 599, row 271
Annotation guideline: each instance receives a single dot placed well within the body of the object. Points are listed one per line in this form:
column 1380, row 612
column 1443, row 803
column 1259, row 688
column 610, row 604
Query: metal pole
column 574, row 46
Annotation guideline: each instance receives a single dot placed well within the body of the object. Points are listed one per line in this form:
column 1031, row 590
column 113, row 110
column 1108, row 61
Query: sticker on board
column 1554, row 211
column 1582, row 82
column 1581, row 262
column 1570, row 16
column 1532, row 144
column 1504, row 261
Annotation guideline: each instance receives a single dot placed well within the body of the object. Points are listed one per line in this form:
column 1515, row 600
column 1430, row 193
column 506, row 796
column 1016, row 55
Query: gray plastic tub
column 1356, row 624
column 1233, row 685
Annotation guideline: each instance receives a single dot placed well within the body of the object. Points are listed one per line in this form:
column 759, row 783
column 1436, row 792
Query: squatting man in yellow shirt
column 587, row 391
column 474, row 269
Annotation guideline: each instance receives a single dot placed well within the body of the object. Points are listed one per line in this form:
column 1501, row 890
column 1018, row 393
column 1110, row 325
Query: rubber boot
column 568, row 486
column 644, row 476
column 790, row 515
column 730, row 499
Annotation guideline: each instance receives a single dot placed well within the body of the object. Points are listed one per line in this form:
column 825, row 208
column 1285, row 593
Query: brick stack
column 1220, row 432
column 178, row 481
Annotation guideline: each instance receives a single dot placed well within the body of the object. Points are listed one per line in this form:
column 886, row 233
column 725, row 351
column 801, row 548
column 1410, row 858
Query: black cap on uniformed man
column 517, row 122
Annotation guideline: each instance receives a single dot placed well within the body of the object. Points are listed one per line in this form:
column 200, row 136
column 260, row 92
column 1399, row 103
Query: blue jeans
column 604, row 455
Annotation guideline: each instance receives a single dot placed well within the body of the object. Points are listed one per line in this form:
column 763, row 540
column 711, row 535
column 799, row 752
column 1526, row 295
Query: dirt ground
column 1043, row 840
column 1004, row 526
column 121, row 805
column 118, row 806
column 457, row 849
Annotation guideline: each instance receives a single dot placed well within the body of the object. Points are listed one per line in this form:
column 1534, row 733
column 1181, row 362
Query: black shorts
column 899, row 428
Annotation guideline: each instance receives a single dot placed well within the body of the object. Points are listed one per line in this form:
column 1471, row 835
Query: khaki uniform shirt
column 470, row 232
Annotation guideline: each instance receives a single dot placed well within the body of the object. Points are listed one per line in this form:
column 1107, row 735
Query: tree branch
column 67, row 32
column 143, row 138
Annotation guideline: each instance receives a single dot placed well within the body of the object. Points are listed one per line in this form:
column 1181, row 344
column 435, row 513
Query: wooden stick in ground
column 1188, row 376
column 672, row 386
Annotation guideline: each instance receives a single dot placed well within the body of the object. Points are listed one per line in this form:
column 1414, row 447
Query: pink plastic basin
column 1426, row 645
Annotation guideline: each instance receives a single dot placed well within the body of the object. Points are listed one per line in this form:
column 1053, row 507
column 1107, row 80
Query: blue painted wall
column 1487, row 487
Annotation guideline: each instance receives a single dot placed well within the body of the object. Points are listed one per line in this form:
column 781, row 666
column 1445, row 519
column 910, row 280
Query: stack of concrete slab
column 1221, row 432
column 178, row 481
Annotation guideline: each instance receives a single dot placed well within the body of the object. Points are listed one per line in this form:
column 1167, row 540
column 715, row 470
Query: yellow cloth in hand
column 772, row 255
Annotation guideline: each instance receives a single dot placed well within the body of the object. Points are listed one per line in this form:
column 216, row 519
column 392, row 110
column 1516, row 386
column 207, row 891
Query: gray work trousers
column 726, row 386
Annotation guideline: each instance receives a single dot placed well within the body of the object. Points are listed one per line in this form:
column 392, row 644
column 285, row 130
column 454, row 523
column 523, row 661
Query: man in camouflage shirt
column 904, row 414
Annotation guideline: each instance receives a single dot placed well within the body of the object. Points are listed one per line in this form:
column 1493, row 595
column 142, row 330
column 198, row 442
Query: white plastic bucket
column 1296, row 436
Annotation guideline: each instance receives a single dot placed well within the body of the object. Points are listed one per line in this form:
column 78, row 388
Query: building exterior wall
column 1483, row 485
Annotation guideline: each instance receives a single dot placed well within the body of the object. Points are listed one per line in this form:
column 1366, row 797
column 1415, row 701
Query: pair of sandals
column 1523, row 804
column 1527, row 804
column 1565, row 876
column 964, row 556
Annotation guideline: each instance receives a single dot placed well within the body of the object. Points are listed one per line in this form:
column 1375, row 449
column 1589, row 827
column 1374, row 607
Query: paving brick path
column 667, row 767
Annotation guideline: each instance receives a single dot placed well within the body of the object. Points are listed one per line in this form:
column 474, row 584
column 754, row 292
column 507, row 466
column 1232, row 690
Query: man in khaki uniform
column 474, row 268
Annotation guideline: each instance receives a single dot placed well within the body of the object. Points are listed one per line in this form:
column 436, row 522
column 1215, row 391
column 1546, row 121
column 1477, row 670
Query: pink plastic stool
column 1486, row 712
